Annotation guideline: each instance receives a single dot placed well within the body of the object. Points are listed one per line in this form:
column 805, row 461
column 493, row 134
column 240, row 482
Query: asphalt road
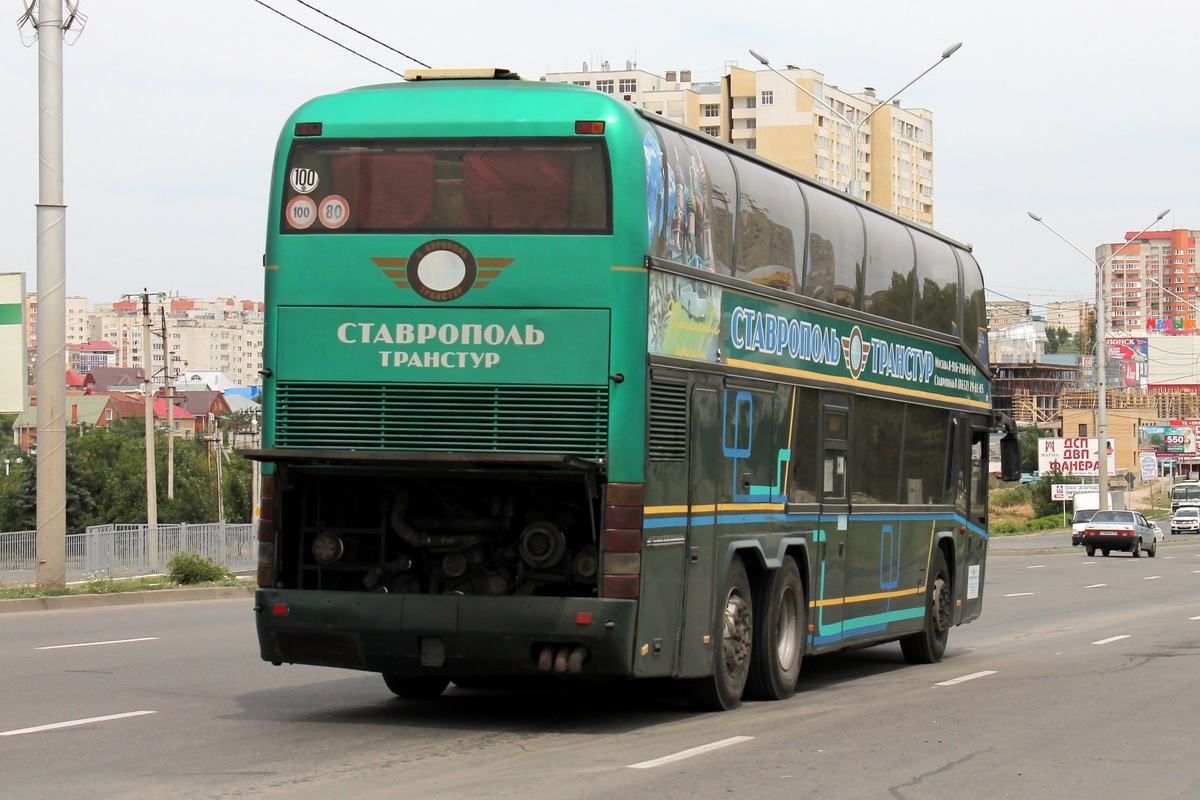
column 1079, row 680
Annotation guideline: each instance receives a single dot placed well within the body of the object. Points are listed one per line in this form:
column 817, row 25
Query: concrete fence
column 127, row 550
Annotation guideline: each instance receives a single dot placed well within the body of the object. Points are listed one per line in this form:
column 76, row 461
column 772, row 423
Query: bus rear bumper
column 451, row 635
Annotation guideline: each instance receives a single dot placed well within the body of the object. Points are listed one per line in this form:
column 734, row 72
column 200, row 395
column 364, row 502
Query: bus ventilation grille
column 668, row 421
column 562, row 420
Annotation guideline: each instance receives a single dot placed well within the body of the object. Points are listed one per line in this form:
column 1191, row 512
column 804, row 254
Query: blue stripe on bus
column 872, row 623
column 743, row 519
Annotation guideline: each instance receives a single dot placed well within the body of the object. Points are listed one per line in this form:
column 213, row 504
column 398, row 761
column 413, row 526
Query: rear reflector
column 621, row 541
column 621, row 587
column 280, row 609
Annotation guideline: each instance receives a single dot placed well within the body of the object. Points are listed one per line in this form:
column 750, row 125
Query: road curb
column 123, row 598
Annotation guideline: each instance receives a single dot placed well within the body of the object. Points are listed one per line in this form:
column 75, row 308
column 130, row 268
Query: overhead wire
column 361, row 33
column 328, row 39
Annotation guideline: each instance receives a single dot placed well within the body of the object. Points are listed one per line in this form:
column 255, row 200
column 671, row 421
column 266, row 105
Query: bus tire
column 779, row 628
column 420, row 687
column 733, row 639
column 928, row 646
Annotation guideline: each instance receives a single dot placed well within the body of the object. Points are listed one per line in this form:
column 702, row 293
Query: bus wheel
column 734, row 627
column 421, row 687
column 779, row 629
column 928, row 646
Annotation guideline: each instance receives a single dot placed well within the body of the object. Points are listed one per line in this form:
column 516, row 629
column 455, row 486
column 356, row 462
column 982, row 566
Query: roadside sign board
column 1073, row 456
column 1067, row 491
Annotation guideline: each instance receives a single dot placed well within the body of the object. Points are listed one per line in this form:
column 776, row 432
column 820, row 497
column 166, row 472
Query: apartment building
column 225, row 335
column 1069, row 314
column 1151, row 281
column 76, row 318
column 825, row 139
column 1002, row 313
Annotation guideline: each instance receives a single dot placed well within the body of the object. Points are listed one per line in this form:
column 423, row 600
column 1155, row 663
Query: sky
column 1077, row 112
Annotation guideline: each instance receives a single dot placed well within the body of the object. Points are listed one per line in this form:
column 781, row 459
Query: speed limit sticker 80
column 334, row 211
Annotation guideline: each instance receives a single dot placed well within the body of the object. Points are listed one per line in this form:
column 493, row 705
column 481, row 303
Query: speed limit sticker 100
column 334, row 211
column 301, row 211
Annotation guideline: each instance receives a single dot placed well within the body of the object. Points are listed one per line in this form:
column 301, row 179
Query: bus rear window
column 443, row 186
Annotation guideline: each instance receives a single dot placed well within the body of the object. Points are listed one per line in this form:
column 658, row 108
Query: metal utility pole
column 151, row 487
column 1101, row 348
column 854, row 188
column 169, row 383
column 220, row 458
column 47, row 19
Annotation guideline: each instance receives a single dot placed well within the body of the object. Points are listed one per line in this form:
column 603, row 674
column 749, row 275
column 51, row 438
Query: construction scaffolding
column 1029, row 392
column 1163, row 405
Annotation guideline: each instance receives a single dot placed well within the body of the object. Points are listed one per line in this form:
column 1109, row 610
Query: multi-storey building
column 1151, row 281
column 1002, row 313
column 766, row 113
column 224, row 335
column 76, row 318
column 1069, row 314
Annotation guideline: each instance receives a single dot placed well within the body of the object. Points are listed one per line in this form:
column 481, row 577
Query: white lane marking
column 94, row 644
column 1035, row 566
column 1113, row 639
column 1151, row 577
column 966, row 678
column 74, row 722
column 1095, row 586
column 1087, row 562
column 1020, row 594
column 1193, row 618
column 695, row 751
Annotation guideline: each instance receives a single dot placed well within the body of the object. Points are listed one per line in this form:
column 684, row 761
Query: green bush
column 187, row 568
column 1045, row 523
column 1014, row 496
column 1003, row 527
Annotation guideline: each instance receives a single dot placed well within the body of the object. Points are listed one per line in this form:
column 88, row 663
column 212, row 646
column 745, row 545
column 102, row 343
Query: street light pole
column 854, row 188
column 1101, row 351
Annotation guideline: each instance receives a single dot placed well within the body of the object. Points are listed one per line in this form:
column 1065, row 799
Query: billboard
column 12, row 343
column 1074, row 456
column 1132, row 355
column 1176, row 440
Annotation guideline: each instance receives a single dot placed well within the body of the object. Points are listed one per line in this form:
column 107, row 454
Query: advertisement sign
column 1074, row 456
column 1179, row 440
column 1067, row 491
column 1131, row 356
column 12, row 342
column 1149, row 464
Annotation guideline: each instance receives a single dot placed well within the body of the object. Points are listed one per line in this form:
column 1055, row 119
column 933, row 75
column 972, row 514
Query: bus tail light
column 621, row 541
column 266, row 534
column 593, row 127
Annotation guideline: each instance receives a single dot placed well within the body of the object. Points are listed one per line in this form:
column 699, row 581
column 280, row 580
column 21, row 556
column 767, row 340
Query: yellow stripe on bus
column 864, row 598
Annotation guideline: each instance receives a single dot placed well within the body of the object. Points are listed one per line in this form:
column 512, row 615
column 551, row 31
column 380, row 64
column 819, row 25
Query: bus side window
column 805, row 469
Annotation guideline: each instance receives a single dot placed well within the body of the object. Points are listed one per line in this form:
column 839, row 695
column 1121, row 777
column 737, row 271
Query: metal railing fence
column 121, row 550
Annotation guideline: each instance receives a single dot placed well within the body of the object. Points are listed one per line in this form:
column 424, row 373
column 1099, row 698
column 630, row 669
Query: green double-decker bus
column 554, row 386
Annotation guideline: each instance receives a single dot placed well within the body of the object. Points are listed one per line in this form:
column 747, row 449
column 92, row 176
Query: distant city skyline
column 170, row 119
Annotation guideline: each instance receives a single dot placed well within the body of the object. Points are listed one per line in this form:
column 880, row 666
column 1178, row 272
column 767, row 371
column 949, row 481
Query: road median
column 147, row 597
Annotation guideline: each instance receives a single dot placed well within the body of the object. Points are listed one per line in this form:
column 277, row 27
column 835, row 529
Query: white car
column 1128, row 531
column 1186, row 520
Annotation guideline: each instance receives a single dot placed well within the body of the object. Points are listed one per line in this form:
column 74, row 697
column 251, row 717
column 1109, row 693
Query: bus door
column 833, row 527
column 972, row 546
column 699, row 552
